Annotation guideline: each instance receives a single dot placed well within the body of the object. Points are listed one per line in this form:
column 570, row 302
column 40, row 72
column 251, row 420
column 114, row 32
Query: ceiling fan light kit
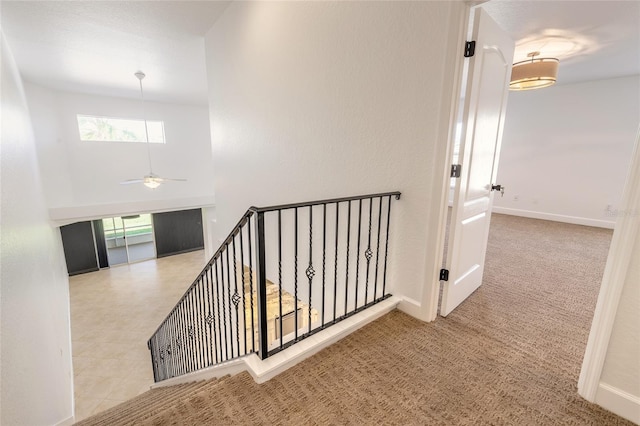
column 151, row 180
column 534, row 73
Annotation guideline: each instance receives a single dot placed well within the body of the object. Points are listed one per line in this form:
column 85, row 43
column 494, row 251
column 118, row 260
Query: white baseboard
column 609, row 224
column 619, row 402
column 230, row 368
column 67, row 422
column 264, row 370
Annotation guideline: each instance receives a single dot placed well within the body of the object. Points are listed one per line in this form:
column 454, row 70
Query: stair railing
column 283, row 274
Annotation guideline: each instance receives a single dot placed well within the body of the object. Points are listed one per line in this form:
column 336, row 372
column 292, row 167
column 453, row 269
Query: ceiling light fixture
column 151, row 180
column 534, row 73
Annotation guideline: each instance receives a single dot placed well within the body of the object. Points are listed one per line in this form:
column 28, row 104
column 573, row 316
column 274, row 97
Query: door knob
column 498, row 188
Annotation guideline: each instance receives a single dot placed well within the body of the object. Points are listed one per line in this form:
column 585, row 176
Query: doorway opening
column 129, row 239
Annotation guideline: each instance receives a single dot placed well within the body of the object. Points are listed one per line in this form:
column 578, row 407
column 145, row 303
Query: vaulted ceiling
column 96, row 46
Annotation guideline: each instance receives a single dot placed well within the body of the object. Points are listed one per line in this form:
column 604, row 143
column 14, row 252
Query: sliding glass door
column 129, row 239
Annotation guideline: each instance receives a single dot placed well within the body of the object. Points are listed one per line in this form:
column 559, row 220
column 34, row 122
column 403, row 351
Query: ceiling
column 592, row 39
column 96, row 46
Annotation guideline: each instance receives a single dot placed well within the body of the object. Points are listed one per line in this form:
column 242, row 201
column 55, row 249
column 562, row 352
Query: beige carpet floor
column 509, row 355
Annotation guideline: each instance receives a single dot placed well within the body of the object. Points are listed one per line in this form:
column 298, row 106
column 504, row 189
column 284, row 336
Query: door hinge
column 469, row 49
column 444, row 275
column 455, row 170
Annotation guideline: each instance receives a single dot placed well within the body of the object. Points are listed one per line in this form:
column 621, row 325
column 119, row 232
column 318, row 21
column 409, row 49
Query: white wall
column 36, row 377
column 78, row 176
column 318, row 100
column 566, row 149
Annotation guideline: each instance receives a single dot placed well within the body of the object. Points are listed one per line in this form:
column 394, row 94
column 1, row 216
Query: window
column 119, row 129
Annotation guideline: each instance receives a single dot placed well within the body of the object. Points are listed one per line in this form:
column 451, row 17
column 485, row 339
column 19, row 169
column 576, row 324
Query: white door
column 485, row 103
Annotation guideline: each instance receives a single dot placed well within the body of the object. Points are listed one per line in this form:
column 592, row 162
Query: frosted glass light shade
column 151, row 182
column 534, row 74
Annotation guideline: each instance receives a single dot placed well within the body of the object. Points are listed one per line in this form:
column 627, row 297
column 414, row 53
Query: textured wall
column 78, row 173
column 566, row 149
column 317, row 100
column 36, row 379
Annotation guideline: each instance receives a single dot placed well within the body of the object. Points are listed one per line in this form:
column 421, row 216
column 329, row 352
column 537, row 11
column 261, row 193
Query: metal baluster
column 368, row 253
column 223, row 315
column 170, row 349
column 219, row 331
column 236, row 297
column 151, row 347
column 163, row 350
column 375, row 285
column 202, row 312
column 346, row 280
column 213, row 339
column 229, row 330
column 262, row 286
column 355, row 308
column 189, row 329
column 295, row 282
column 156, row 355
column 280, row 273
column 244, row 292
column 212, row 316
column 253, row 331
column 206, row 322
column 196, row 340
column 386, row 249
column 310, row 271
column 194, row 329
column 166, row 351
column 161, row 346
column 324, row 256
column 167, row 347
column 335, row 265
column 183, row 348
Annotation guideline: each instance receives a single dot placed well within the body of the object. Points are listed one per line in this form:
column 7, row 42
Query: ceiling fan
column 150, row 180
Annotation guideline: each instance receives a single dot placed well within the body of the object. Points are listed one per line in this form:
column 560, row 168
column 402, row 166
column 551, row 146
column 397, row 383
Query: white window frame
column 151, row 126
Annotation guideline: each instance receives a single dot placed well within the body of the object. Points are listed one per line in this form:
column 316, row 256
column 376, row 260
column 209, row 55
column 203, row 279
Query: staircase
column 155, row 405
column 283, row 274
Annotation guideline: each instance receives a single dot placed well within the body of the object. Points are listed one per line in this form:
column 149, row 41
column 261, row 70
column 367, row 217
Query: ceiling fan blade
column 172, row 180
column 130, row 181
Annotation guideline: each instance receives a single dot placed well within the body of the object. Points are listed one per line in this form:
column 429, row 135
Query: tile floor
column 113, row 313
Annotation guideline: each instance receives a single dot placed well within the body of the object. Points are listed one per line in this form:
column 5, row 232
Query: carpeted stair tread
column 119, row 413
column 145, row 404
column 150, row 411
column 195, row 405
column 130, row 406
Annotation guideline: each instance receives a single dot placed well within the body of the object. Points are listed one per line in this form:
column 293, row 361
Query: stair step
column 178, row 412
column 147, row 404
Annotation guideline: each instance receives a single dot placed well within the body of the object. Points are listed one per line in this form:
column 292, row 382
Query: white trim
column 609, row 224
column 264, row 370
column 410, row 307
column 67, row 422
column 615, row 272
column 619, row 402
column 231, row 368
column 427, row 308
column 66, row 215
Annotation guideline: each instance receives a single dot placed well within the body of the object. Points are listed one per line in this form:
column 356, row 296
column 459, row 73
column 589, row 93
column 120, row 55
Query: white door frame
column 426, row 309
column 430, row 296
column 625, row 235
